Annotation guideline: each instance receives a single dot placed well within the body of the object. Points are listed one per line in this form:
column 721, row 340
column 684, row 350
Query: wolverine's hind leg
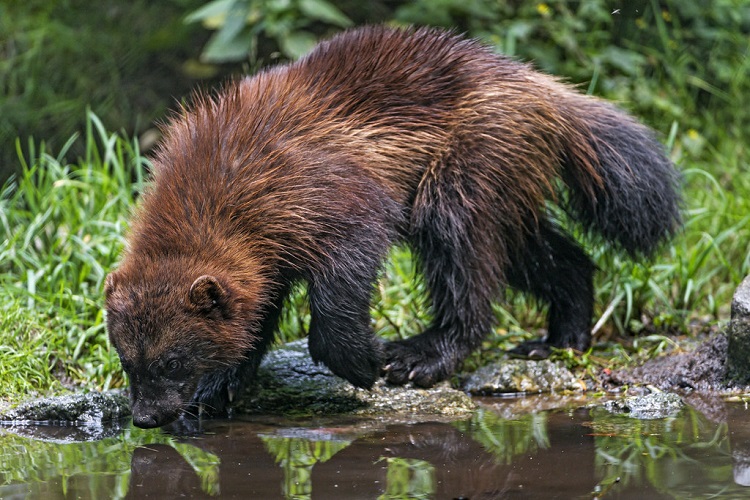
column 556, row 270
column 461, row 267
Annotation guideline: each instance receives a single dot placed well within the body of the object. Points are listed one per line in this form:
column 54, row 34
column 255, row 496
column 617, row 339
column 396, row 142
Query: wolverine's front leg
column 341, row 335
column 217, row 390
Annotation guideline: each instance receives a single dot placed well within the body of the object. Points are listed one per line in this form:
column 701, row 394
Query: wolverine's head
column 171, row 326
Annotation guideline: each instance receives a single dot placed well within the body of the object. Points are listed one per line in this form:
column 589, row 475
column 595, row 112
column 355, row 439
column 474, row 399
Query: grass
column 62, row 228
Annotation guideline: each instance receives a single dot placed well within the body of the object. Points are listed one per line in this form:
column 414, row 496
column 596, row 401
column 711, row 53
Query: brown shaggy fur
column 312, row 171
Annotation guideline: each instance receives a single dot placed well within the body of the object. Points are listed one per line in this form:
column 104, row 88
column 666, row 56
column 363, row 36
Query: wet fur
column 312, row 171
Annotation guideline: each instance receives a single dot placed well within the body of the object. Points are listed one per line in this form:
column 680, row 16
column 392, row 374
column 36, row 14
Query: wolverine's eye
column 174, row 365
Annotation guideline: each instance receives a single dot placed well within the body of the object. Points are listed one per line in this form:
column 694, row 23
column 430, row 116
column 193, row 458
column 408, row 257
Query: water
column 575, row 452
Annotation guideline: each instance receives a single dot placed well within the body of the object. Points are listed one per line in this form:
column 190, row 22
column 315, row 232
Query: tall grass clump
column 61, row 229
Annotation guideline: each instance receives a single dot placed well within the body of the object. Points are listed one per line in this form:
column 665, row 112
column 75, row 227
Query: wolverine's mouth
column 184, row 420
column 157, row 411
column 152, row 420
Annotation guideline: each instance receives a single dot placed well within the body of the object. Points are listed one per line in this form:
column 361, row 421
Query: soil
column 702, row 369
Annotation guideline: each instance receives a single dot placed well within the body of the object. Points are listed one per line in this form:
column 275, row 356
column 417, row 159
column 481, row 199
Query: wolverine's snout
column 148, row 416
column 145, row 421
column 154, row 406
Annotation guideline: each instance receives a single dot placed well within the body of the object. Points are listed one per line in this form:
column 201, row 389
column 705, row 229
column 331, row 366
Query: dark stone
column 738, row 354
column 703, row 369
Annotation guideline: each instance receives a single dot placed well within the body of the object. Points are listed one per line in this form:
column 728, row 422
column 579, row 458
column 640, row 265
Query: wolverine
column 310, row 172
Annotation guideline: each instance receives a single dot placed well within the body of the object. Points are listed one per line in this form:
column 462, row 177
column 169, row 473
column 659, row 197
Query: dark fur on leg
column 340, row 333
column 555, row 269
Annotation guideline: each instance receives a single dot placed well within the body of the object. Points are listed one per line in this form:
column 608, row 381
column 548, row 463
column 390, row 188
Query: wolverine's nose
column 147, row 415
column 145, row 421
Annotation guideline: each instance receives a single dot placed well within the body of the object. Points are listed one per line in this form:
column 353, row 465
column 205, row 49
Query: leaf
column 324, row 11
column 219, row 49
column 235, row 21
column 213, row 14
column 297, row 44
column 230, row 43
column 627, row 61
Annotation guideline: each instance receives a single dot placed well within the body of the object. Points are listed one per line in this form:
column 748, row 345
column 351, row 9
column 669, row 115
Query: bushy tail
column 636, row 202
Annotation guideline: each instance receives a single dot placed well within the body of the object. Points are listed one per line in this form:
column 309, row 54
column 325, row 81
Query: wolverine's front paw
column 409, row 361
column 360, row 366
column 217, row 391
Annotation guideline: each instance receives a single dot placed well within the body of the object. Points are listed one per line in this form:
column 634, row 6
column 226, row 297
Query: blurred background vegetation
column 80, row 69
column 666, row 60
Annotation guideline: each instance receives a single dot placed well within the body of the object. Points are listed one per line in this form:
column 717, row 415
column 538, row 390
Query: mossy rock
column 290, row 383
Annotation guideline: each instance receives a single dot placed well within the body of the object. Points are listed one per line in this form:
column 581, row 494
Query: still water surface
column 579, row 452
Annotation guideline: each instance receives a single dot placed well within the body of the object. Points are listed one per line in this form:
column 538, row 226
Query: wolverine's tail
column 635, row 202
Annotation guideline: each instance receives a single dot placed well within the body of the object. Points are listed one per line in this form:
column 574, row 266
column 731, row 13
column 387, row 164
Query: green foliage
column 26, row 363
column 240, row 23
column 125, row 60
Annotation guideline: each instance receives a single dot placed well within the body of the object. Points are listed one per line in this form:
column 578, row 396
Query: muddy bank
column 703, row 369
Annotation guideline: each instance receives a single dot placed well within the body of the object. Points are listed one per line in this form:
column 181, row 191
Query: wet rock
column 92, row 408
column 75, row 417
column 290, row 383
column 522, row 376
column 738, row 354
column 647, row 407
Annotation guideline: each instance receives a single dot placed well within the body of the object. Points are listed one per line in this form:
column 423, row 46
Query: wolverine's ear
column 110, row 284
column 206, row 293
